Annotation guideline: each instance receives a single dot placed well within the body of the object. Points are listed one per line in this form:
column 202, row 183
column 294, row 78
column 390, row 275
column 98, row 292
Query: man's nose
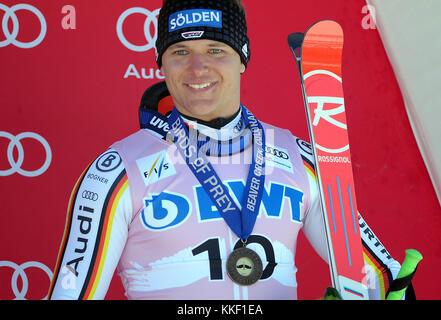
column 198, row 64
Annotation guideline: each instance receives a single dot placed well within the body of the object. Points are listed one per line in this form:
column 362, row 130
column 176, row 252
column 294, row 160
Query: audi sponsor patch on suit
column 90, row 195
column 155, row 167
column 91, row 210
column 278, row 157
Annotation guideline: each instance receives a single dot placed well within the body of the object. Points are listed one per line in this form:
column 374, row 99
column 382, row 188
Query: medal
column 244, row 266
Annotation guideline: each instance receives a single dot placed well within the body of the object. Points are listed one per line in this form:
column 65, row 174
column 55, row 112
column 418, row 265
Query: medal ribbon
column 241, row 222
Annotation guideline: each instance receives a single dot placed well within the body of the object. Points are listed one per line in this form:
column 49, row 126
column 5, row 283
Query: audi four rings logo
column 11, row 37
column 276, row 152
column 14, row 142
column 151, row 17
column 19, row 271
column 89, row 195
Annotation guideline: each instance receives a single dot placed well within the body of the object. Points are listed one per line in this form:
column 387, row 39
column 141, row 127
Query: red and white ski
column 318, row 55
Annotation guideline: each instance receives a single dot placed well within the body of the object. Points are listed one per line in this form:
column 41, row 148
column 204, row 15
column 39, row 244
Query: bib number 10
column 212, row 246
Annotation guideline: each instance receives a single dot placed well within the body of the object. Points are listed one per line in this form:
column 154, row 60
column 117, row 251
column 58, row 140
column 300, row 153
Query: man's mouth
column 199, row 86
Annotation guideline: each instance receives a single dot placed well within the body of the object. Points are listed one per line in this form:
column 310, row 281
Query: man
column 206, row 201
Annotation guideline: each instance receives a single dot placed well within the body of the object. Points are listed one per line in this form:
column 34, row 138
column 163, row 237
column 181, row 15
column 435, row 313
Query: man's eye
column 180, row 52
column 215, row 51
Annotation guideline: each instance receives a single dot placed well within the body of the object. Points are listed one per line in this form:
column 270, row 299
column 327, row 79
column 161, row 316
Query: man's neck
column 221, row 129
column 216, row 123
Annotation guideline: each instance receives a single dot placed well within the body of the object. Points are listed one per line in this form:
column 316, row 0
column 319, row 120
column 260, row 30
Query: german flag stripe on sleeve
column 382, row 271
column 103, row 236
column 67, row 229
column 309, row 167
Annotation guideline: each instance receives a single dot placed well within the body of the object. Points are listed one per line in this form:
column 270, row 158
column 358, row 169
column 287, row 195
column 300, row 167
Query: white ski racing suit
column 139, row 209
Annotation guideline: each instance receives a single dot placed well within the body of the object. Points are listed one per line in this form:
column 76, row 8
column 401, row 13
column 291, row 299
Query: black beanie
column 219, row 20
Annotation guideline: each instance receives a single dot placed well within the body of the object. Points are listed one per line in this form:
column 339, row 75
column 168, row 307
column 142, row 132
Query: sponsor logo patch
column 195, row 18
column 192, row 34
column 155, row 167
column 279, row 158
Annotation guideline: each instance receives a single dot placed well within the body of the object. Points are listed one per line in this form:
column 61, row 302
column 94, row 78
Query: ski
column 318, row 55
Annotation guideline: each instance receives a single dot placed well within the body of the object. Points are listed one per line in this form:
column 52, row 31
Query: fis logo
column 155, row 167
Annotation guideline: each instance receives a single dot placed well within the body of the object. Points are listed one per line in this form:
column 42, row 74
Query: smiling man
column 204, row 76
column 205, row 201
column 202, row 52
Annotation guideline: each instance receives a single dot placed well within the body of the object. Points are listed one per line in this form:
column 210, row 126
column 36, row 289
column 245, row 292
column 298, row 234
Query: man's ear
column 242, row 68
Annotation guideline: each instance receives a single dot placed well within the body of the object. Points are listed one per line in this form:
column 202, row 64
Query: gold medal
column 244, row 266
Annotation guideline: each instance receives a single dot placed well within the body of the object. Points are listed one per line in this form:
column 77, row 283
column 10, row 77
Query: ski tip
column 326, row 28
column 322, row 48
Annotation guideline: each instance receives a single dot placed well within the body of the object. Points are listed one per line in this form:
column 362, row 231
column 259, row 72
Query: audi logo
column 89, row 195
column 11, row 37
column 151, row 17
column 16, row 165
column 277, row 153
column 19, row 271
